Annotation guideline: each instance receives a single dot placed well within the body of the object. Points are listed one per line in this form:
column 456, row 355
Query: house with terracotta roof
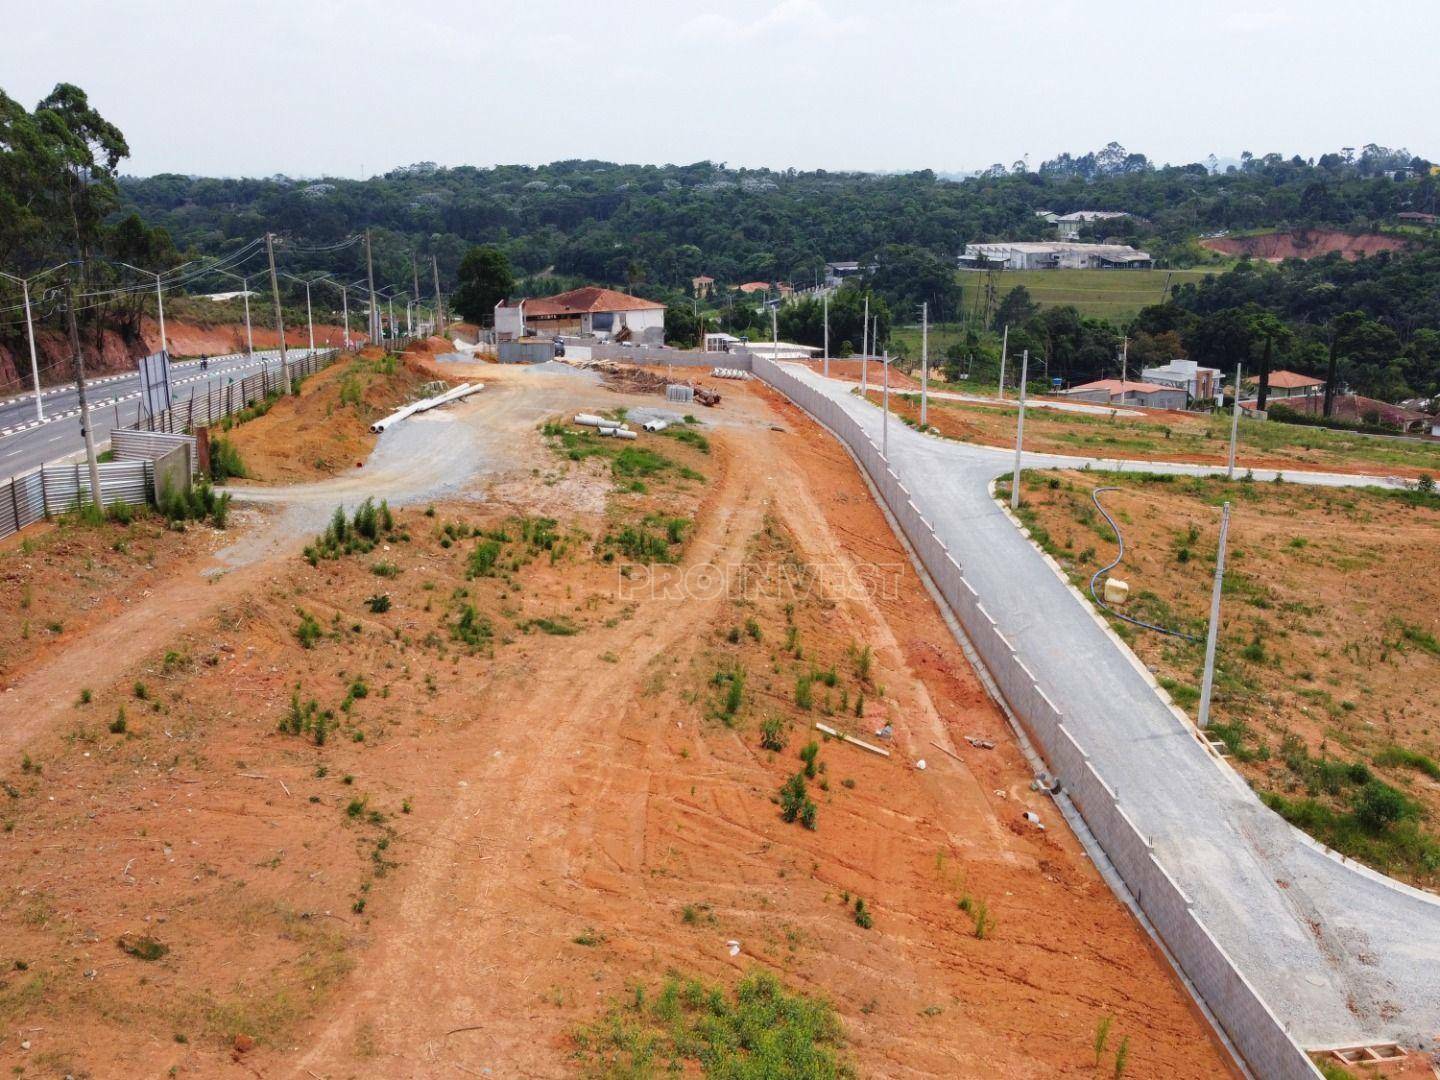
column 590, row 311
column 702, row 286
column 1286, row 384
column 754, row 287
column 1129, row 392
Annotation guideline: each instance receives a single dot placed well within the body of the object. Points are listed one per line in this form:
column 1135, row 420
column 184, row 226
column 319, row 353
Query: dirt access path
column 576, row 817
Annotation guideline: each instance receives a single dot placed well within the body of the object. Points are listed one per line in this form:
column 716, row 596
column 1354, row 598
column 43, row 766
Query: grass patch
column 759, row 1030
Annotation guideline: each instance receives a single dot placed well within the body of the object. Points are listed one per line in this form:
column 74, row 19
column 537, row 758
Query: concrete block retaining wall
column 1255, row 1031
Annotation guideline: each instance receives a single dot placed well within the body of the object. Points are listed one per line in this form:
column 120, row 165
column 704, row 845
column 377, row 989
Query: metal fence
column 1255, row 1030
column 54, row 489
column 218, row 402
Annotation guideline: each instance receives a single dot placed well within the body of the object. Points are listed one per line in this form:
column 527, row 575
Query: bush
column 862, row 915
column 378, row 604
column 225, row 461
column 472, row 628
column 772, row 733
column 808, row 753
column 1378, row 805
column 197, row 503
column 308, row 632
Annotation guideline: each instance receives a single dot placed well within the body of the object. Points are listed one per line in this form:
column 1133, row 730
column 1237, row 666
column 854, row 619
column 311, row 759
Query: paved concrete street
column 26, row 443
column 1340, row 954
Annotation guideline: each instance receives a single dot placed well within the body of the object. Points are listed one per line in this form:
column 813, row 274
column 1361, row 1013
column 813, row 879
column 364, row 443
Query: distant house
column 1288, row 384
column 1068, row 225
column 1203, row 384
column 754, row 287
column 602, row 313
column 1361, row 410
column 1413, row 217
column 837, row 272
column 1028, row 255
column 717, row 342
column 701, row 286
column 1115, row 392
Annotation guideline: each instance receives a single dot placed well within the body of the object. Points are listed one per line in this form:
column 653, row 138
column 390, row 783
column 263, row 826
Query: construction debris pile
column 626, row 378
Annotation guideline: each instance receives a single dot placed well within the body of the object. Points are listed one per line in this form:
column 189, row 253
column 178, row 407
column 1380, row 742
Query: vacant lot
column 1329, row 661
column 459, row 787
column 1102, row 294
column 1173, row 436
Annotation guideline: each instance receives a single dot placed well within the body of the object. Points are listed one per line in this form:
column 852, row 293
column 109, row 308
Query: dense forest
column 523, row 230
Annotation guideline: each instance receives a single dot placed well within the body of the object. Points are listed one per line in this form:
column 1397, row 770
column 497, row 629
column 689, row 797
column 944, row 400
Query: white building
column 1203, row 384
column 1068, row 225
column 1026, row 255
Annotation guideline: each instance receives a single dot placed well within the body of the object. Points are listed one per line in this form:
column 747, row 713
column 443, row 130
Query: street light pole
column 924, row 361
column 245, row 295
column 97, row 496
column 370, row 277
column 1004, row 346
column 1207, row 684
column 1234, row 425
column 885, row 424
column 826, row 304
column 30, row 332
column 1019, row 432
column 310, row 317
column 865, row 350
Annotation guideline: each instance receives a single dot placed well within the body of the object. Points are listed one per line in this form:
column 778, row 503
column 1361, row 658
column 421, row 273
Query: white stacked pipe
column 656, row 425
column 729, row 373
column 425, row 404
column 586, row 419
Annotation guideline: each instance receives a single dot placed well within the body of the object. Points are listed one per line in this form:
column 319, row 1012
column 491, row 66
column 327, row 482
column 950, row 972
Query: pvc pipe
column 589, row 419
column 425, row 404
column 656, row 425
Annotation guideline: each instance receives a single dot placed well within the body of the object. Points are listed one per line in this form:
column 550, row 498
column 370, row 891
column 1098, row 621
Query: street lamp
column 344, row 304
column 30, row 331
column 245, row 287
column 159, row 296
column 309, row 316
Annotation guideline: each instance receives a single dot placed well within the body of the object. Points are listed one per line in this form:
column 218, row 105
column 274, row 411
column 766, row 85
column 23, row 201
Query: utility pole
column 1124, row 366
column 439, row 304
column 865, row 350
column 775, row 335
column 1207, row 684
column 97, row 497
column 279, row 318
column 1234, row 426
column 249, row 337
column 370, row 277
column 885, row 424
column 1004, row 345
column 160, row 303
column 825, row 302
column 1019, row 431
column 310, row 316
column 390, row 303
column 30, row 332
column 415, row 280
column 345, row 316
column 924, row 361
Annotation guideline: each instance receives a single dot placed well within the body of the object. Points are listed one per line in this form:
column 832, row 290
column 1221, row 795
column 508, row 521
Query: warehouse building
column 1028, row 255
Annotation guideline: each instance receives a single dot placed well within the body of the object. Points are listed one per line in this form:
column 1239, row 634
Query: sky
column 356, row 87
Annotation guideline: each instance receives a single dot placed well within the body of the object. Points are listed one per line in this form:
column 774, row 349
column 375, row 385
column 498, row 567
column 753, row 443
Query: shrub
column 308, row 632
column 862, row 915
column 772, row 733
column 735, row 694
column 472, row 628
column 117, row 726
column 225, row 461
column 385, row 570
column 1379, row 804
column 808, row 753
column 379, row 604
column 1102, row 1036
column 804, row 698
column 482, row 559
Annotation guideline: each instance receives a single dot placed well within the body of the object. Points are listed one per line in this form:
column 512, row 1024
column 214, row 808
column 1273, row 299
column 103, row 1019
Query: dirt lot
column 326, row 427
column 1172, row 436
column 1305, row 244
column 1329, row 663
column 534, row 778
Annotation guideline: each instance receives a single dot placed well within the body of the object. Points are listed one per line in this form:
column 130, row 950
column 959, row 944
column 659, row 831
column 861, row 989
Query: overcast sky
column 356, row 87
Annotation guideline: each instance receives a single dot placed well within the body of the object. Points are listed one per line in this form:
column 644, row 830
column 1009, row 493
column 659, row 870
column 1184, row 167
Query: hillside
column 1304, row 244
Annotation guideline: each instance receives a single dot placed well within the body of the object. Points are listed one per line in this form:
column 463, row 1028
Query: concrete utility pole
column 1207, row 684
column 865, row 350
column 885, row 427
column 279, row 318
column 310, row 316
column 1004, row 345
column 30, row 331
column 439, row 303
column 924, row 361
column 97, row 497
column 1019, row 431
column 825, row 303
column 345, row 309
column 1234, row 425
column 370, row 278
column 775, row 335
column 415, row 280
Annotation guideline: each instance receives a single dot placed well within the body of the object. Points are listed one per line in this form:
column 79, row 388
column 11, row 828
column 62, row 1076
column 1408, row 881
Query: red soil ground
column 1304, row 244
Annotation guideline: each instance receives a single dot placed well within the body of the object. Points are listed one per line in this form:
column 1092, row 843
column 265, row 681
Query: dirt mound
column 1304, row 244
column 327, row 427
column 850, row 371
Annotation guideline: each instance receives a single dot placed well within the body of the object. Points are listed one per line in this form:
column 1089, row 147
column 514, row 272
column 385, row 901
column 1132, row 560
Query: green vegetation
column 356, row 535
column 225, row 461
column 196, row 503
column 795, row 802
column 759, row 1032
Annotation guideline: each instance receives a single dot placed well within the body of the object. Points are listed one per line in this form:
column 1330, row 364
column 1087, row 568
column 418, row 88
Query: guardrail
column 1255, row 1031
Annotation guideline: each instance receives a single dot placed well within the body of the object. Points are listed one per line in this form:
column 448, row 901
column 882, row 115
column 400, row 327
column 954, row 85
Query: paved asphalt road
column 1339, row 953
column 26, row 444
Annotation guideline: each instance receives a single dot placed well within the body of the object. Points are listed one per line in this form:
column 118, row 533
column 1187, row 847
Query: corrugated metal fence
column 54, row 489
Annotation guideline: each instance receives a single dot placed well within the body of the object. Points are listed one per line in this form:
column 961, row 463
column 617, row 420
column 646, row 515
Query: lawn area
column 1328, row 664
column 1174, row 436
column 1103, row 294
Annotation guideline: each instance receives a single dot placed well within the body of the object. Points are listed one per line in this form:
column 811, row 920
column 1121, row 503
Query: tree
column 1016, row 309
column 1266, row 328
column 484, row 279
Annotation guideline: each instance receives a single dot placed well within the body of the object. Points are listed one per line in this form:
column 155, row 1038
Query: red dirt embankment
column 1304, row 244
column 116, row 352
